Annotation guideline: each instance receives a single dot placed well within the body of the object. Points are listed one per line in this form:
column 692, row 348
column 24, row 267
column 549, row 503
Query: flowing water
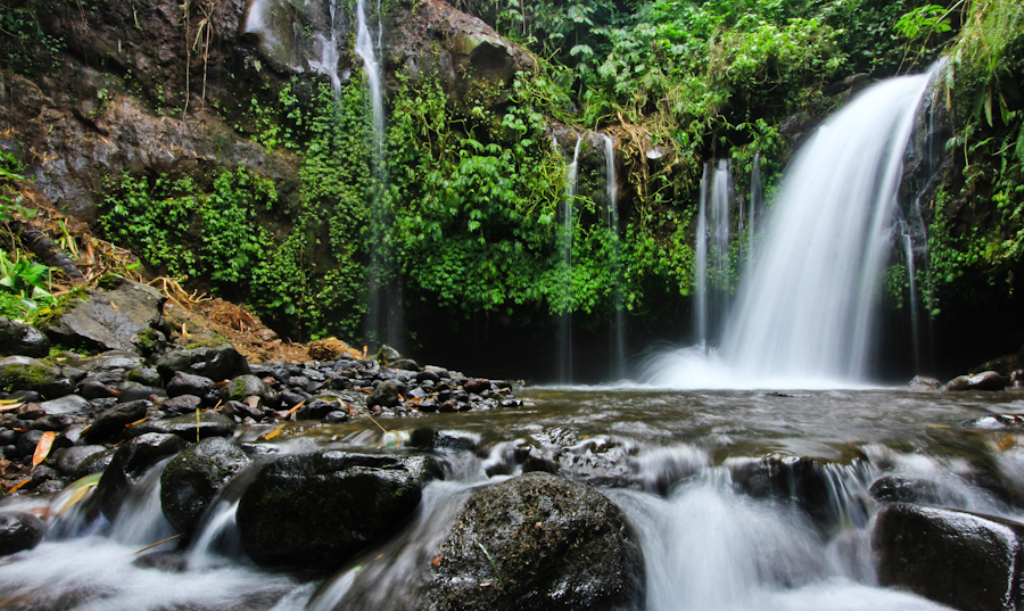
column 805, row 309
column 711, row 268
column 675, row 462
column 565, row 323
column 618, row 328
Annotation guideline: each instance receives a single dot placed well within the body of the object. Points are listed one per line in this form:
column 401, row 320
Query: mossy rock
column 26, row 376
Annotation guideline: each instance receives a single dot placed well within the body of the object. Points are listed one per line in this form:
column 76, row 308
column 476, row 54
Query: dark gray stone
column 550, row 544
column 181, row 405
column 111, row 319
column 22, row 339
column 211, row 424
column 988, row 380
column 386, row 394
column 218, row 363
column 193, row 478
column 111, row 423
column 19, row 531
column 71, row 404
column 94, row 389
column 317, row 510
column 94, row 463
column 967, row 561
column 244, row 386
column 182, row 383
column 68, row 460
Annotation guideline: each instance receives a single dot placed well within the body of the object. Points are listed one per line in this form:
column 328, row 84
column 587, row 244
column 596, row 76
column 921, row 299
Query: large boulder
column 221, row 362
column 18, row 338
column 121, row 317
column 968, row 561
column 193, row 478
column 986, row 380
column 316, row 511
column 539, row 541
column 129, row 464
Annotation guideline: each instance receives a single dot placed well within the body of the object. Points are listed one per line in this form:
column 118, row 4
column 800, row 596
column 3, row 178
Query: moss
column 211, row 342
column 21, row 376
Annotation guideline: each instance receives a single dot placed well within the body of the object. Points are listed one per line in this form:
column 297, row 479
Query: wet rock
column 113, row 361
column 26, row 376
column 964, row 560
column 132, row 391
column 988, row 380
column 999, row 422
column 19, row 531
column 182, row 383
column 386, row 394
column 387, row 354
column 211, row 424
column 806, row 482
column 27, row 443
column 94, row 463
column 221, row 362
column 68, row 460
column 129, row 464
column 169, row 562
column 539, row 541
column 900, row 489
column 192, row 479
column 113, row 421
column 477, row 385
column 317, row 510
column 145, row 376
column 241, row 387
column 71, row 404
column 405, row 365
column 94, row 389
column 181, row 405
column 111, row 319
column 53, row 422
column 18, row 338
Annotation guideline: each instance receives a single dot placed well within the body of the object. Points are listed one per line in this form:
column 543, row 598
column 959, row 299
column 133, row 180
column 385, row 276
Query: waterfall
column 565, row 335
column 756, row 199
column 711, row 269
column 618, row 328
column 805, row 311
column 384, row 315
column 908, row 251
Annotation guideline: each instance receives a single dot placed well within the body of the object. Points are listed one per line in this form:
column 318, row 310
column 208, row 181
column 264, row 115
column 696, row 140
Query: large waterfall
column 804, row 313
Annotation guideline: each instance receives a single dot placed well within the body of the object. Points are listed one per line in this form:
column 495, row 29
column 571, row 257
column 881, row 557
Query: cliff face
column 166, row 88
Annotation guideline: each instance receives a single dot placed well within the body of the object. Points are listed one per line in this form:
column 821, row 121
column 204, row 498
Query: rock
column 182, row 383
column 18, row 338
column 900, row 489
column 477, row 385
column 113, row 421
column 988, row 380
column 71, row 404
column 181, row 405
column 404, row 365
column 220, row 362
column 94, row 389
column 192, row 479
column 133, row 391
column 27, row 376
column 924, row 383
column 241, row 387
column 94, row 463
column 964, row 560
column 19, row 531
column 386, row 354
column 556, row 544
column 145, row 376
column 385, row 395
column 129, row 464
column 317, row 510
column 68, row 460
column 211, row 424
column 113, row 360
column 112, row 319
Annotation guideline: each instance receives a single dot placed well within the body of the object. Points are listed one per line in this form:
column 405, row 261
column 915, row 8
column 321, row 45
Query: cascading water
column 618, row 328
column 805, row 309
column 329, row 55
column 565, row 331
column 384, row 310
column 756, row 200
column 712, row 253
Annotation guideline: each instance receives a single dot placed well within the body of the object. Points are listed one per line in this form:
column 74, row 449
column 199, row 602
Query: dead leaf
column 113, row 307
column 299, row 406
column 10, row 406
column 171, row 538
column 274, row 433
column 437, row 561
column 18, row 485
column 131, row 424
column 43, row 448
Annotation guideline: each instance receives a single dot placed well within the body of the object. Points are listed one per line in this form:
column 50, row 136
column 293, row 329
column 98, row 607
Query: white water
column 805, row 310
column 618, row 330
column 712, row 253
column 565, row 323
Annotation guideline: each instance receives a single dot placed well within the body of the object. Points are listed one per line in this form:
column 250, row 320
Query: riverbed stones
column 209, row 424
column 191, row 481
column 315, row 511
column 538, row 541
column 967, row 561
column 113, row 421
column 129, row 464
column 19, row 531
column 112, row 318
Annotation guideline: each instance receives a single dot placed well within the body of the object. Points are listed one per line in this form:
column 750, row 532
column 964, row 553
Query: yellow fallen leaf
column 43, row 448
column 274, row 433
column 79, row 494
column 9, row 406
column 18, row 485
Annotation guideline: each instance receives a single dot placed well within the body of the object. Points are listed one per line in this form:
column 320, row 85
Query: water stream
column 618, row 327
column 677, row 463
column 565, row 322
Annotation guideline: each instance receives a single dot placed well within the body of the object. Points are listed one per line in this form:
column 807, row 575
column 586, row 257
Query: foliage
column 27, row 47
